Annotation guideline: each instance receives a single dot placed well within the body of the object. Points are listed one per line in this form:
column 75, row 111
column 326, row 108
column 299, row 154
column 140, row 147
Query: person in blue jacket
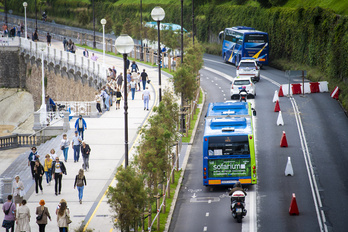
column 33, row 156
column 80, row 126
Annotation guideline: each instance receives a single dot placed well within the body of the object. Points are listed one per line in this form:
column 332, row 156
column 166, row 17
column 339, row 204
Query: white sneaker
column 41, row 191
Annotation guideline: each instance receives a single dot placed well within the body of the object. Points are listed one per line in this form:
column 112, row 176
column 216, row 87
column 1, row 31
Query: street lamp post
column 103, row 22
column 94, row 43
column 141, row 31
column 158, row 14
column 124, row 45
column 182, row 118
column 42, row 47
column 25, row 4
column 35, row 17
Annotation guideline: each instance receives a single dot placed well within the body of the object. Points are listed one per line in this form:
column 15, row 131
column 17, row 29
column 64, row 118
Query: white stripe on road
column 207, row 214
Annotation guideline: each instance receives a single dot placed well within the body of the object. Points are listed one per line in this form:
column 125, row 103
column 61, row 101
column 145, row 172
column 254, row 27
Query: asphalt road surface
column 316, row 129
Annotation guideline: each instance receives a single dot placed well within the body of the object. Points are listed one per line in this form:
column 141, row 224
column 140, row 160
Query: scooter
column 238, row 205
column 243, row 95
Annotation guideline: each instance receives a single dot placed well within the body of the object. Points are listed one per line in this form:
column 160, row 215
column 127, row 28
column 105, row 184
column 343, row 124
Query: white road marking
column 209, row 201
column 207, row 214
column 205, row 228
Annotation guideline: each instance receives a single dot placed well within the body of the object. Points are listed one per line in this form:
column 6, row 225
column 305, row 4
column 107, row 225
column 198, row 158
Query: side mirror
column 221, row 35
column 254, row 111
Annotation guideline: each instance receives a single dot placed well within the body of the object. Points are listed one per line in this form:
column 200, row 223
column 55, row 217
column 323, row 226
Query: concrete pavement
column 105, row 135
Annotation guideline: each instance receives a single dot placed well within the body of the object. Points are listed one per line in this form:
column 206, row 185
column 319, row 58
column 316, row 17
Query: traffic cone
column 280, row 94
column 335, row 93
column 275, row 97
column 288, row 169
column 276, row 107
column 293, row 209
column 280, row 121
column 283, row 142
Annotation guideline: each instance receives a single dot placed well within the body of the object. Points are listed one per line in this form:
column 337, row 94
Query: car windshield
column 247, row 64
column 242, row 82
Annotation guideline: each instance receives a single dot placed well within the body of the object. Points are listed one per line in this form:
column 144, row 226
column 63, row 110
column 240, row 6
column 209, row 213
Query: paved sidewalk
column 105, row 135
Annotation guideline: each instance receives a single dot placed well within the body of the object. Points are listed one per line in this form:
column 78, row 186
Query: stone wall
column 21, row 71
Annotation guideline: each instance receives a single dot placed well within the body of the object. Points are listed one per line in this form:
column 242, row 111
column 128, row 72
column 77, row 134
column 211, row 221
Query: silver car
column 249, row 68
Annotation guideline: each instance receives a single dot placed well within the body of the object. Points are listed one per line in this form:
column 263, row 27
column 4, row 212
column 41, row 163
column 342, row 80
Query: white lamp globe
column 124, row 44
column 103, row 21
column 25, row 4
column 158, row 13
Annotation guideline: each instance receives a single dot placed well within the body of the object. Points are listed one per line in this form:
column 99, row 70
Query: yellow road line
column 113, row 180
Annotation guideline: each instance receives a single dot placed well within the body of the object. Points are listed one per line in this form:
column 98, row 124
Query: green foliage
column 128, row 198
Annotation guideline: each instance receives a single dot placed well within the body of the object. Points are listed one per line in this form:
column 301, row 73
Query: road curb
column 175, row 197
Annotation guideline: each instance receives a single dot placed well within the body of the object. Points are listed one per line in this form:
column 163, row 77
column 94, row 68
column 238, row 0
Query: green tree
column 128, row 198
column 127, row 27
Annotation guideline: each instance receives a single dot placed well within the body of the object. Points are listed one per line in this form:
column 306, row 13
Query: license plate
column 239, row 210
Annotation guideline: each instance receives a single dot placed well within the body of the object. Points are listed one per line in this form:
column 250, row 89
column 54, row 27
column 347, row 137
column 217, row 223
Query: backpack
column 79, row 182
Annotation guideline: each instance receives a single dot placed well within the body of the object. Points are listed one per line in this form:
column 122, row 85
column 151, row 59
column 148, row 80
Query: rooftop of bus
column 227, row 126
column 230, row 109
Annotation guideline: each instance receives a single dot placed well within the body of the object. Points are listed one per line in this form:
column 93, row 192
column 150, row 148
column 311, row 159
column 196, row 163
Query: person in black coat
column 38, row 173
column 85, row 150
column 58, row 169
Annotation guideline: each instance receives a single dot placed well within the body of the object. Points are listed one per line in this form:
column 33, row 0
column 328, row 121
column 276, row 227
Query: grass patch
column 193, row 122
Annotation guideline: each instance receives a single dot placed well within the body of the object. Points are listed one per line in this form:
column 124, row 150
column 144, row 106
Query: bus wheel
column 225, row 58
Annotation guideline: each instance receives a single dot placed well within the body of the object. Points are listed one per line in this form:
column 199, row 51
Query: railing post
column 66, row 124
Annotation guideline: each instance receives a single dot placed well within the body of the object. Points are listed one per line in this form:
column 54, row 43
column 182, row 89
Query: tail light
column 232, row 86
column 238, row 203
column 237, row 67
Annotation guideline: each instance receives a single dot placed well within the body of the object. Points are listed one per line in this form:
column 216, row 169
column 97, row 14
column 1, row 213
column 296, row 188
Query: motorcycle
column 238, row 205
column 243, row 95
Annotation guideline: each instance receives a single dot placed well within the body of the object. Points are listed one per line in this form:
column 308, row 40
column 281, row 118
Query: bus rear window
column 228, row 146
column 255, row 38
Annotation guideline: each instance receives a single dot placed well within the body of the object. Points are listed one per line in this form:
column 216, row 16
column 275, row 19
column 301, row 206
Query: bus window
column 230, row 148
column 255, row 38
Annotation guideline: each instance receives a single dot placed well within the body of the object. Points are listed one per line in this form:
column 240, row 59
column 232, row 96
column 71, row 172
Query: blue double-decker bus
column 244, row 42
column 228, row 151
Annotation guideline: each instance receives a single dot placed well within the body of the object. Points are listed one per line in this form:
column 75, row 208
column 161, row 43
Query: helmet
column 238, row 184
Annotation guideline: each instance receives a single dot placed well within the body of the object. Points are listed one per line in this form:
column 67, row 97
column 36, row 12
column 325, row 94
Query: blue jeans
column 48, row 175
column 107, row 101
column 76, row 152
column 133, row 93
column 144, row 84
column 81, row 130
column 80, row 190
column 65, row 152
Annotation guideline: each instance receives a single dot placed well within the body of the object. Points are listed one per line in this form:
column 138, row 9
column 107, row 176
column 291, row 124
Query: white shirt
column 146, row 93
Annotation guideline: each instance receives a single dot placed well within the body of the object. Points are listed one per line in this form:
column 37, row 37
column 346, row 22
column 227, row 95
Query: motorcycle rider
column 237, row 187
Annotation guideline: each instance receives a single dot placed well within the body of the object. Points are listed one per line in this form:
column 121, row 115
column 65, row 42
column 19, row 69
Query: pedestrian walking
column 127, row 64
column 106, row 99
column 138, row 80
column 118, row 98
column 76, row 144
column 63, row 217
column 94, row 57
column 80, row 126
column 64, row 146
column 23, row 218
column 53, row 154
column 134, row 67
column 85, row 150
column 48, row 37
column 119, row 81
column 39, row 171
column 42, row 215
column 97, row 99
column 48, row 168
column 17, row 190
column 133, row 85
column 80, row 182
column 9, row 210
column 58, row 169
column 33, row 156
column 85, row 53
column 144, row 78
column 146, row 98
column 65, row 44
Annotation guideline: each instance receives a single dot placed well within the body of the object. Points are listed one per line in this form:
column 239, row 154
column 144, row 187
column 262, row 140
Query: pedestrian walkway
column 105, row 135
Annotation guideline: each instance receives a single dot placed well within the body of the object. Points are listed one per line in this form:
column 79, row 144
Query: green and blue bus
column 244, row 42
column 230, row 109
column 228, row 151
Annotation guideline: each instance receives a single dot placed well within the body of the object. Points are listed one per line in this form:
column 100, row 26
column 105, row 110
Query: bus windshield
column 233, row 145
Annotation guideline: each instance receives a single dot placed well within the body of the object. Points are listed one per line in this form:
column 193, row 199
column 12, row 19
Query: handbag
column 21, row 193
column 39, row 217
column 62, row 148
column 148, row 81
column 7, row 224
column 67, row 218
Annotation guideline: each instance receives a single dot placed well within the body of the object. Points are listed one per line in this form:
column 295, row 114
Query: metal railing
column 17, row 140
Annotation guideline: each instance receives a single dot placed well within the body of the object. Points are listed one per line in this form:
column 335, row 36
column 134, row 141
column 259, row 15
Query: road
column 315, row 126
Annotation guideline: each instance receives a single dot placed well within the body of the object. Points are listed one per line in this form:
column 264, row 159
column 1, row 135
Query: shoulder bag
column 39, row 217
